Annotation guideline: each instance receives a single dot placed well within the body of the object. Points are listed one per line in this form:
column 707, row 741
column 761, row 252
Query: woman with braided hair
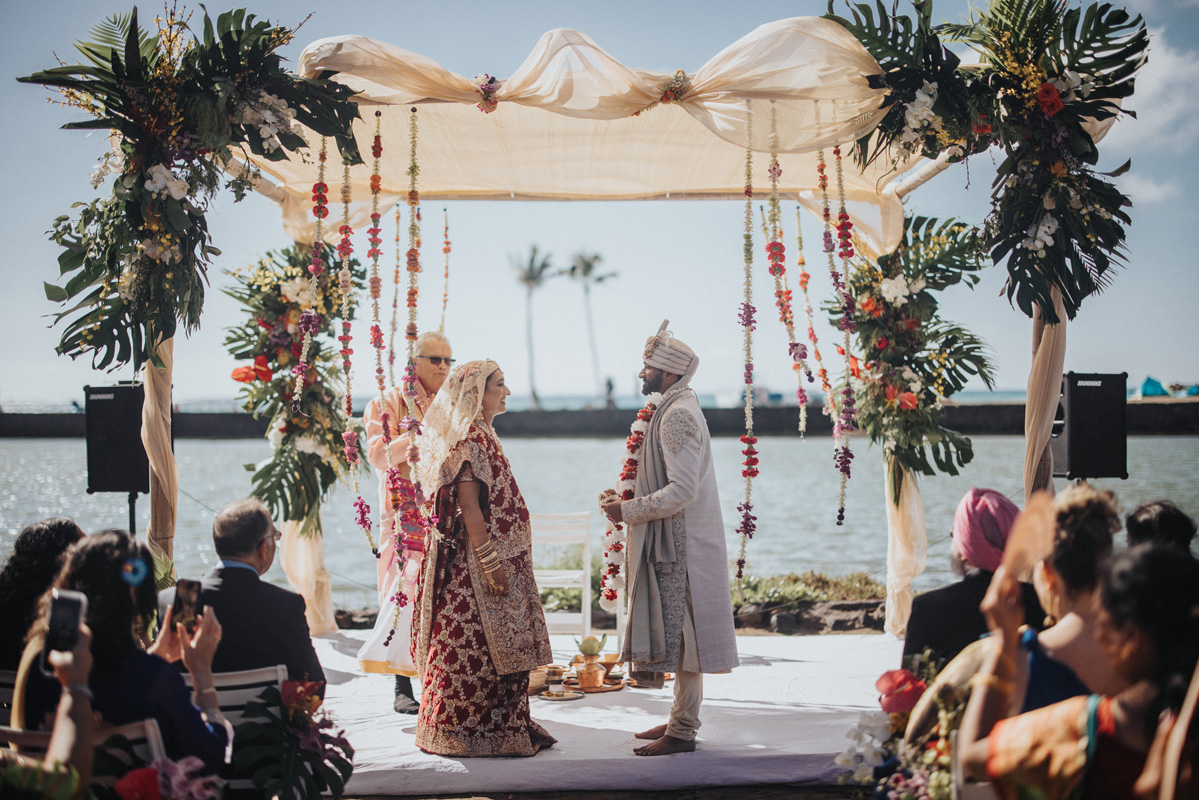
column 478, row 625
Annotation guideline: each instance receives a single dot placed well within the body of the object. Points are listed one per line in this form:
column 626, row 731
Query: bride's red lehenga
column 478, row 648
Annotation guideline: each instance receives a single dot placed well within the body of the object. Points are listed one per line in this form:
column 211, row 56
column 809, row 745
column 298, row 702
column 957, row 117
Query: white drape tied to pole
column 907, row 546
column 565, row 129
column 304, row 566
column 156, row 438
column 1044, row 392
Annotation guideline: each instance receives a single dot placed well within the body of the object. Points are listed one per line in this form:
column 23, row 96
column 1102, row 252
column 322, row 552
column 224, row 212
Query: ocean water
column 795, row 498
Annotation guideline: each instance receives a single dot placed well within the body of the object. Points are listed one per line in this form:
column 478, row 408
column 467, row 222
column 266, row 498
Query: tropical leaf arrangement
column 182, row 110
column 305, row 462
column 912, row 360
column 289, row 748
column 1049, row 78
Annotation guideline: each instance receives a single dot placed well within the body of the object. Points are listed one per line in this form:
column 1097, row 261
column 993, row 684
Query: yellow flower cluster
column 164, row 77
column 1022, row 66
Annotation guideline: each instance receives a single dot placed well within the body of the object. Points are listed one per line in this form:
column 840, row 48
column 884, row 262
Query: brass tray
column 610, row 685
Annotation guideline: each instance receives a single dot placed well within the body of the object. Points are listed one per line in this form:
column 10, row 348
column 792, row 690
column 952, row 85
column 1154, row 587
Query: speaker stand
column 133, row 514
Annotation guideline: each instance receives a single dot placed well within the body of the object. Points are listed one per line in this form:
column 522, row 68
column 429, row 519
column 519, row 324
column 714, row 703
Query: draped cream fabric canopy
column 565, row 127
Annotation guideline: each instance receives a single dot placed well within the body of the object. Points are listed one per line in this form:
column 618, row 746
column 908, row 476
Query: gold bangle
column 484, row 549
column 490, row 568
column 992, row 681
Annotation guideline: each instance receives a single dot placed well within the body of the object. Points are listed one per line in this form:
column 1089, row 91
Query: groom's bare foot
column 665, row 746
column 653, row 733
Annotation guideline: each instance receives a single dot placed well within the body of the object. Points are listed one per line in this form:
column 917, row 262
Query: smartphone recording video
column 67, row 610
column 187, row 596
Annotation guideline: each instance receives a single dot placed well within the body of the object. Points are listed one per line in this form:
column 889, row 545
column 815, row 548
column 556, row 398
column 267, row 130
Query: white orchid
column 297, row 290
column 275, row 436
column 894, row 289
column 163, row 180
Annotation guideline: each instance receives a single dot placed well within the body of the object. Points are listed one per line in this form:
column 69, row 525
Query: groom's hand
column 611, row 510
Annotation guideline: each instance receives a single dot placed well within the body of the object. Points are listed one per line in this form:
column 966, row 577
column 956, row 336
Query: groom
column 680, row 618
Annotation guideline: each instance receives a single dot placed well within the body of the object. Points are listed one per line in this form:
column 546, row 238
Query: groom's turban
column 664, row 352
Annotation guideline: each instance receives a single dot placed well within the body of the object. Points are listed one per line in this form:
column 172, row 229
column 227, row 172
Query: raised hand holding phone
column 67, row 610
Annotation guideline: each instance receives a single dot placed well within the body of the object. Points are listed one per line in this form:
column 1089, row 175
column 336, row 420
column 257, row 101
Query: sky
column 679, row 260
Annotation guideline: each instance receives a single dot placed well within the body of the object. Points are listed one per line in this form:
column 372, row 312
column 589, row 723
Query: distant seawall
column 1155, row 416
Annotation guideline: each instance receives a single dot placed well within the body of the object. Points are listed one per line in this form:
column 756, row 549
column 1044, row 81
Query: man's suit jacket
column 945, row 620
column 261, row 624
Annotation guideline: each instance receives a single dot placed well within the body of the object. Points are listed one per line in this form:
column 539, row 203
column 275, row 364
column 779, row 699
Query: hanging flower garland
column 310, row 320
column 777, row 259
column 612, row 580
column 804, row 278
column 404, row 493
column 445, row 292
column 395, row 306
column 748, row 521
column 350, row 442
column 845, row 418
column 839, row 408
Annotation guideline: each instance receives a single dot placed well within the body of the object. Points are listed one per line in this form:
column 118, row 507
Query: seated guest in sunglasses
column 387, row 652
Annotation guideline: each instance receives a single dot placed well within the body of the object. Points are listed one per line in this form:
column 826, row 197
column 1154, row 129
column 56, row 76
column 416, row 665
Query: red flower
column 302, row 695
column 244, row 375
column 890, row 392
column 907, row 400
column 900, row 690
column 1049, row 99
column 262, row 369
column 911, row 324
column 854, row 368
column 882, row 343
column 139, row 784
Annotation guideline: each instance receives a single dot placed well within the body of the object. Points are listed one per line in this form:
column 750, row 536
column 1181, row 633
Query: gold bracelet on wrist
column 485, row 549
column 992, row 681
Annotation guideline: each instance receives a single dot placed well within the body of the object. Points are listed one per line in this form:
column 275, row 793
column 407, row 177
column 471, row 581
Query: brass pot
column 591, row 673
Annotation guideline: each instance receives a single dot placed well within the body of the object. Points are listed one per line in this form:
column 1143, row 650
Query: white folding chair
column 144, row 737
column 8, row 683
column 566, row 529
column 235, row 689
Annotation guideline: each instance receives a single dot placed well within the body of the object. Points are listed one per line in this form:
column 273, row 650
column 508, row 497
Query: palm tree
column 582, row 269
column 532, row 272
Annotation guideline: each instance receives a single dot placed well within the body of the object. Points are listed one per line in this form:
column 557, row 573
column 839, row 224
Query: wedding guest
column 32, row 566
column 947, row 619
column 387, row 650
column 1066, row 659
column 1094, row 745
column 263, row 624
column 1160, row 521
column 69, row 756
column 479, row 628
column 115, row 572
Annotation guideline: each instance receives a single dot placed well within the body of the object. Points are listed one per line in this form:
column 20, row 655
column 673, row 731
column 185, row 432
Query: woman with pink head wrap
column 946, row 620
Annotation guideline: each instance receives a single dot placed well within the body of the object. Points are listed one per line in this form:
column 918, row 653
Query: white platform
column 780, row 717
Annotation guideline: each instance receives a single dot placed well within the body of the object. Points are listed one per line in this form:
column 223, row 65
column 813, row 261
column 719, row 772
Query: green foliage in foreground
column 774, row 592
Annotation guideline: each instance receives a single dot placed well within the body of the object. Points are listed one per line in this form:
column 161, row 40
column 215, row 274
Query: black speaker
column 1090, row 429
column 116, row 459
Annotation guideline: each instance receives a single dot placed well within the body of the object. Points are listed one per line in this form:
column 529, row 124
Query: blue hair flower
column 133, row 571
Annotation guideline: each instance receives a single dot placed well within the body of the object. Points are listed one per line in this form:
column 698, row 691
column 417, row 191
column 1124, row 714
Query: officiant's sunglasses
column 437, row 361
